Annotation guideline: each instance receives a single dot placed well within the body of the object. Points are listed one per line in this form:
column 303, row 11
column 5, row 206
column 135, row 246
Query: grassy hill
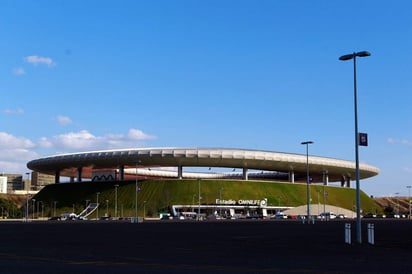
column 157, row 195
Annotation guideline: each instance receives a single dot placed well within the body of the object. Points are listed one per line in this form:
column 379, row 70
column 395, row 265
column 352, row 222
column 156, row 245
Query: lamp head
column 347, row 57
column 363, row 53
column 307, row 143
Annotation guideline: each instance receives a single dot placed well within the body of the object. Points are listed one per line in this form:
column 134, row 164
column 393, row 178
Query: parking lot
column 232, row 246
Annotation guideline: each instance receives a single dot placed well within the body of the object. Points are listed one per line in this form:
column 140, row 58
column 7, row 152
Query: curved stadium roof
column 68, row 164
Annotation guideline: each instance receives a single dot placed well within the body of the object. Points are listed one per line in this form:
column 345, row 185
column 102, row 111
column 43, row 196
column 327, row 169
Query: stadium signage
column 240, row 202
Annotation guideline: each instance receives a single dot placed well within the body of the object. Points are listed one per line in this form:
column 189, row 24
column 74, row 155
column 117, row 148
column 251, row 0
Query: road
column 246, row 246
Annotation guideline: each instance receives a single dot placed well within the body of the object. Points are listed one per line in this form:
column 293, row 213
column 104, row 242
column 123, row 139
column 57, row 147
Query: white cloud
column 407, row 169
column 390, row 140
column 399, row 141
column 13, row 167
column 15, row 152
column 84, row 140
column 13, row 111
column 64, row 120
column 39, row 60
column 136, row 134
column 8, row 141
column 45, row 143
column 19, row 71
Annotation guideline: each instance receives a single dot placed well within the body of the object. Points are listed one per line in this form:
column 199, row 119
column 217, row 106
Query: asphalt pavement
column 220, row 246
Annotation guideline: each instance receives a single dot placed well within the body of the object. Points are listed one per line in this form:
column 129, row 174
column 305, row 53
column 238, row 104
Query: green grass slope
column 157, row 195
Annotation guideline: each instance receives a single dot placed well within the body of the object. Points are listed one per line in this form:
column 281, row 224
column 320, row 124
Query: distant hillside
column 391, row 204
column 18, row 200
column 11, row 205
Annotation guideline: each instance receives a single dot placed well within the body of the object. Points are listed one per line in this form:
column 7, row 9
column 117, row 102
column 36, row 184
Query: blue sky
column 87, row 75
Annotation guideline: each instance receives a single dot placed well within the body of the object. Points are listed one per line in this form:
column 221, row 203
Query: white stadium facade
column 124, row 164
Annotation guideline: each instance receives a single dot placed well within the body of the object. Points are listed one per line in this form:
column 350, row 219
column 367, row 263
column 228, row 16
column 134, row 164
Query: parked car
column 280, row 215
column 328, row 215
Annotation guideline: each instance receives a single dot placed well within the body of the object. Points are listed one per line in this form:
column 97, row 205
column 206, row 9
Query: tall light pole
column 409, row 200
column 358, row 217
column 307, row 143
column 115, row 200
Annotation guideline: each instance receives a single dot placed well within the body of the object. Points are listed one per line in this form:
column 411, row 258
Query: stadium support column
column 180, row 172
column 292, row 176
column 121, row 173
column 245, row 176
column 79, row 174
column 347, row 181
column 57, row 177
column 325, row 178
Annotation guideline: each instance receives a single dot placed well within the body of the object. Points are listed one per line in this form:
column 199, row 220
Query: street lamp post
column 144, row 210
column 115, row 200
column 107, row 208
column 307, row 143
column 137, row 189
column 198, row 211
column 27, row 197
column 397, row 202
column 97, row 205
column 54, row 212
column 33, row 207
column 324, row 198
column 42, row 207
column 220, row 203
column 358, row 217
column 409, row 200
column 193, row 201
column 278, row 204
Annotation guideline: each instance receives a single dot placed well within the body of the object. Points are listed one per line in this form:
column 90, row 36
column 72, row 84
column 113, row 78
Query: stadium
column 151, row 165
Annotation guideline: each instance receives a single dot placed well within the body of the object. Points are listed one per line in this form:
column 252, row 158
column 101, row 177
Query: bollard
column 371, row 234
column 348, row 239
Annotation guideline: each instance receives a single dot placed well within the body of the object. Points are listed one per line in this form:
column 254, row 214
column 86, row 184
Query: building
column 14, row 182
column 40, row 180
